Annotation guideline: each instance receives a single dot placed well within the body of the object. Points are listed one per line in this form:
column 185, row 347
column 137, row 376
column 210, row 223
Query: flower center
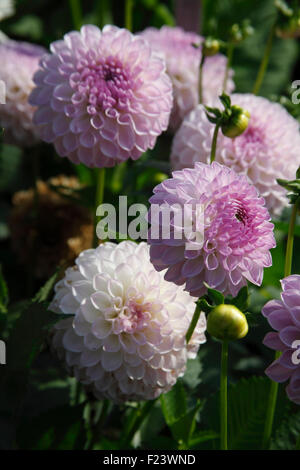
column 106, row 84
column 134, row 316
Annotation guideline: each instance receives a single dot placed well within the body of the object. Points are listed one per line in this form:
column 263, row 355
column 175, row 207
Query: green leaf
column 202, row 436
column 174, row 404
column 287, row 434
column 179, row 418
column 246, row 412
column 241, row 301
column 45, row 291
column 214, row 295
column 59, row 429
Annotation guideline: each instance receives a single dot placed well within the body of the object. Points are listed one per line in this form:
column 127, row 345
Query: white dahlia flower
column 127, row 338
column 268, row 149
column 7, row 8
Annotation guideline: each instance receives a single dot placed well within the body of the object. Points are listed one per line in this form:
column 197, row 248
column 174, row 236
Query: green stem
column 223, row 396
column 128, row 14
column 228, row 64
column 290, row 241
column 201, row 79
column 274, row 385
column 76, row 13
column 264, row 62
column 103, row 12
column 214, row 143
column 100, row 184
column 193, row 323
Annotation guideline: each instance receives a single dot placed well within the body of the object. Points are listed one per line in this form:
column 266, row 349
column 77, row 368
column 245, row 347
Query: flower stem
column 223, row 396
column 128, row 14
column 290, row 241
column 228, row 64
column 264, row 62
column 201, row 79
column 214, row 143
column 193, row 323
column 274, row 385
column 100, row 183
column 75, row 8
column 136, row 421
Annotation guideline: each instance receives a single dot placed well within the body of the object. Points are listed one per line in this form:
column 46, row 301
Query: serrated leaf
column 246, row 412
column 287, row 434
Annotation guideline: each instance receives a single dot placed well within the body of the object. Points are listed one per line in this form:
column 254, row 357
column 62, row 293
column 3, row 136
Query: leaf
column 202, row 436
column 246, row 412
column 174, row 404
column 241, row 301
column 287, row 433
column 284, row 227
column 179, row 419
column 192, row 376
column 214, row 295
column 59, row 429
column 10, row 164
column 45, row 291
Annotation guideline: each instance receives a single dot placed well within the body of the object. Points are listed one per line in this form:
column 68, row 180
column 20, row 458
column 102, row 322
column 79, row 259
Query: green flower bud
column 210, row 47
column 227, row 322
column 237, row 123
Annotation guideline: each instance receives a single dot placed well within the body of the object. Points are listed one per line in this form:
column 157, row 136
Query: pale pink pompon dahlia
column 19, row 61
column 127, row 339
column 268, row 149
column 183, row 62
column 102, row 96
column 284, row 316
column 226, row 233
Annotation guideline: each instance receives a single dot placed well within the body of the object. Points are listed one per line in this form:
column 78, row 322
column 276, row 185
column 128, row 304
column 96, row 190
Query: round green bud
column 160, row 177
column 227, row 322
column 237, row 123
column 210, row 47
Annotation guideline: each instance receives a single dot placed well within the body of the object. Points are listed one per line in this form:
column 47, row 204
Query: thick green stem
column 228, row 64
column 193, row 323
column 100, row 184
column 265, row 60
column 274, row 385
column 128, row 14
column 201, row 79
column 214, row 143
column 75, row 8
column 224, row 397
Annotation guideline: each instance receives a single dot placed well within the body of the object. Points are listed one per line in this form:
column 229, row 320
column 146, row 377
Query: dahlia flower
column 235, row 234
column 268, row 149
column 19, row 61
column 127, row 338
column 58, row 233
column 183, row 62
column 284, row 316
column 6, row 9
column 102, row 97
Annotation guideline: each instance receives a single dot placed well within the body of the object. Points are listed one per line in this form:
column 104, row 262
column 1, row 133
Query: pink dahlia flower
column 284, row 316
column 127, row 338
column 102, row 97
column 183, row 62
column 19, row 61
column 268, row 149
column 235, row 234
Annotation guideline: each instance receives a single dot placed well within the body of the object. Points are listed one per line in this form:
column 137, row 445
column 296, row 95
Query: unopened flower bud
column 210, row 47
column 227, row 322
column 237, row 122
